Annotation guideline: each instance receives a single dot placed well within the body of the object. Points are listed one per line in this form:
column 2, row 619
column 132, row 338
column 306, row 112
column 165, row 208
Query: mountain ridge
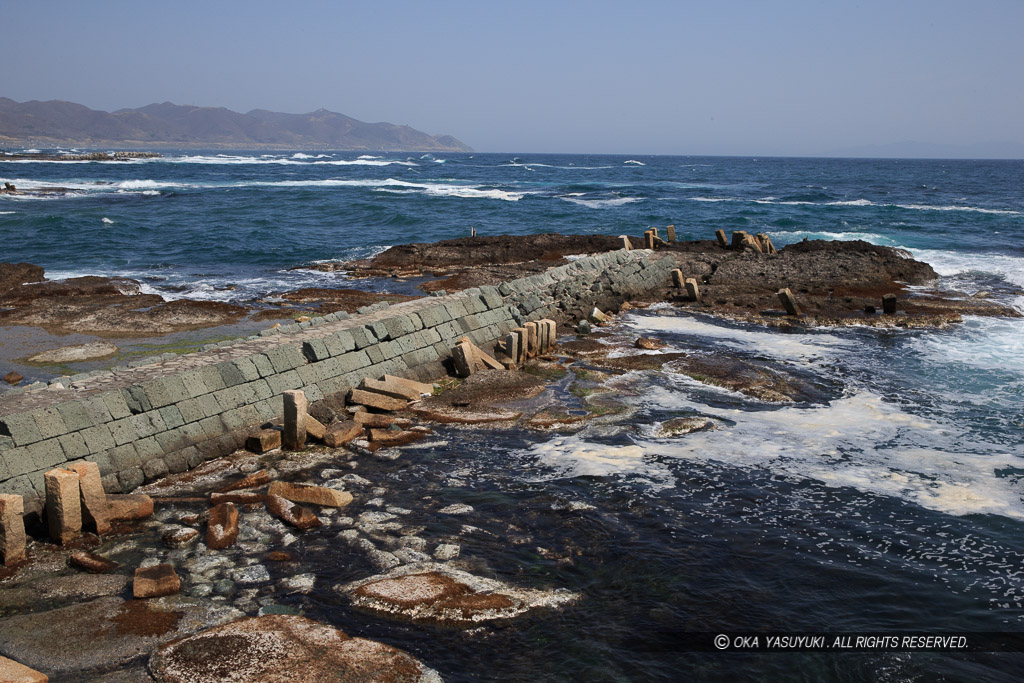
column 60, row 123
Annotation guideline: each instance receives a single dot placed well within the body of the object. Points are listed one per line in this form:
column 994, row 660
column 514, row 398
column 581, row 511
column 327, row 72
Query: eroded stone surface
column 283, row 648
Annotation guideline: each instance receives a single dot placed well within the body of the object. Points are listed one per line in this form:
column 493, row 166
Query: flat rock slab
column 437, row 593
column 310, row 494
column 282, row 649
column 105, row 633
column 73, row 354
column 13, row 672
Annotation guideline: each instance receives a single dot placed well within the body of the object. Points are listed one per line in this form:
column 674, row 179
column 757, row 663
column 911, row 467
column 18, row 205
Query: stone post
column 95, row 509
column 294, row 436
column 788, row 301
column 670, row 231
column 63, row 505
column 531, row 339
column 692, row 290
column 524, row 339
column 649, row 239
column 542, row 337
column 552, row 334
column 677, row 278
column 722, row 241
column 889, row 304
column 512, row 347
column 12, row 528
column 625, row 242
column 737, row 238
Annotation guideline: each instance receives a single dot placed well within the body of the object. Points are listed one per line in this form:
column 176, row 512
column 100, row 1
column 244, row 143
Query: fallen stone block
column 15, row 672
column 293, row 438
column 722, row 241
column 92, row 563
column 463, row 360
column 63, row 505
column 598, row 316
column 128, row 506
column 12, row 528
column 315, row 428
column 264, row 440
column 242, row 498
column 397, row 387
column 372, row 399
column 222, row 526
column 788, row 301
column 95, row 509
column 257, row 478
column 310, row 494
column 340, row 433
column 284, row 648
column 155, row 581
column 292, row 514
column 393, row 438
column 381, row 420
column 737, row 239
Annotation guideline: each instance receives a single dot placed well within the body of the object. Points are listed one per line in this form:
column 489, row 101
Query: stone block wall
column 169, row 414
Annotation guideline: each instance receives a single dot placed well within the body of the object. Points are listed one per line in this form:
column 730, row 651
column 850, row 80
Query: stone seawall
column 170, row 414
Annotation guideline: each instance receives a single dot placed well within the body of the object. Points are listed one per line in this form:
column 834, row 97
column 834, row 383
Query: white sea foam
column 986, row 343
column 951, row 263
column 367, row 162
column 367, row 156
column 573, row 456
column 790, row 237
column 634, row 162
column 858, row 203
column 599, row 203
column 7, row 213
column 107, row 221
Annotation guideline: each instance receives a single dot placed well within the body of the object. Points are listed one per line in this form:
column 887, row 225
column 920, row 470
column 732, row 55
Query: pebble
column 299, row 583
column 456, row 509
column 376, row 502
column 447, row 551
column 376, row 517
column 410, row 556
column 149, row 562
column 331, row 473
column 397, row 510
column 356, row 480
column 248, row 576
column 344, row 521
column 224, row 587
column 379, row 491
column 201, row 590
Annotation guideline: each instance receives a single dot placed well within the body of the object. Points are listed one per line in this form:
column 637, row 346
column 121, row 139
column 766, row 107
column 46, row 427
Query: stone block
column 670, row 232
column 124, row 456
column 16, row 672
column 194, row 384
column 264, row 440
column 285, row 358
column 262, row 365
column 12, row 528
column 889, row 304
column 92, row 563
column 155, row 468
column 722, row 240
column 222, row 526
column 211, row 378
column 315, row 350
column 340, row 342
column 73, row 445
column 285, row 382
column 43, row 454
column 131, row 478
column 230, row 373
column 374, row 400
column 692, row 289
column 788, row 301
column 293, row 438
column 98, row 438
column 310, row 494
column 208, row 405
column 129, row 506
column 49, row 422
column 177, row 461
column 74, row 415
column 340, row 433
column 398, row 387
column 156, row 581
column 248, row 369
column 123, row 431
column 63, row 505
column 171, row 416
column 292, row 514
column 678, row 281
column 95, row 510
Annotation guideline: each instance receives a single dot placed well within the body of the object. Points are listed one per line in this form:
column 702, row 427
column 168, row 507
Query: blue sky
column 787, row 78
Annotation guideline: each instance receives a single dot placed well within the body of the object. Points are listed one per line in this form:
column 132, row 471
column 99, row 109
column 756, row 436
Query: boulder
column 282, row 648
column 13, row 377
column 156, row 581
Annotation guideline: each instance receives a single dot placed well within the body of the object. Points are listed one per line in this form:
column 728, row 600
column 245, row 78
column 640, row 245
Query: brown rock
column 92, row 563
column 372, row 399
column 340, row 433
column 282, row 649
column 649, row 344
column 155, row 582
column 179, row 538
column 13, row 377
column 244, row 498
column 390, row 437
column 222, row 527
column 63, row 505
column 12, row 528
column 292, row 514
column 264, row 440
column 13, row 672
column 307, row 493
column 95, row 509
column 258, row 478
column 127, row 506
column 279, row 556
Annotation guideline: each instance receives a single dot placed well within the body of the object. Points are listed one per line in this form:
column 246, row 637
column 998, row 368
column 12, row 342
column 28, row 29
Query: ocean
column 892, row 504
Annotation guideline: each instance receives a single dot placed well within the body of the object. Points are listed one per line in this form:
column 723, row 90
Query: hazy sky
column 713, row 77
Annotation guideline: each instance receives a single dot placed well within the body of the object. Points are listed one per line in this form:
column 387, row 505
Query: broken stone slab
column 63, row 505
column 222, row 526
column 430, row 592
column 598, row 316
column 315, row 428
column 92, row 563
column 380, row 420
column 155, row 582
column 340, row 433
column 15, row 672
column 258, row 478
column 73, row 643
column 292, row 514
column 279, row 648
column 293, row 438
column 397, row 387
column 372, row 399
column 12, row 528
column 463, row 359
column 394, row 438
column 238, row 498
column 264, row 440
column 95, row 509
column 788, row 301
column 76, row 353
column 310, row 494
column 129, row 506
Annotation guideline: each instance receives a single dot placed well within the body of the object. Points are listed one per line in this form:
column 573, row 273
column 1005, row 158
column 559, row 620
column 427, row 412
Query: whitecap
column 106, row 221
column 599, row 203
column 367, row 162
column 995, row 344
column 573, row 456
column 7, row 213
column 952, row 263
column 634, row 162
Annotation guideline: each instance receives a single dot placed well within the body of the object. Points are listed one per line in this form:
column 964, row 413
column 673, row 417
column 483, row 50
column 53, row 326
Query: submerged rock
column 75, row 353
column 281, row 648
column 438, row 593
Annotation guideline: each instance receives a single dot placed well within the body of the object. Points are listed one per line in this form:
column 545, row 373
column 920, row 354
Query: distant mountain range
column 57, row 123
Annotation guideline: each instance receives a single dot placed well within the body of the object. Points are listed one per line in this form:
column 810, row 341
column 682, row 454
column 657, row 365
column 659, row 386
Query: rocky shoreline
column 207, row 572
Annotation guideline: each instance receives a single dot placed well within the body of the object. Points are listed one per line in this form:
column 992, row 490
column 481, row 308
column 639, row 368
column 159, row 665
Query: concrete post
column 63, row 505
column 889, row 304
column 542, row 337
column 294, row 436
column 788, row 301
column 670, row 231
column 552, row 334
column 12, row 528
column 692, row 290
